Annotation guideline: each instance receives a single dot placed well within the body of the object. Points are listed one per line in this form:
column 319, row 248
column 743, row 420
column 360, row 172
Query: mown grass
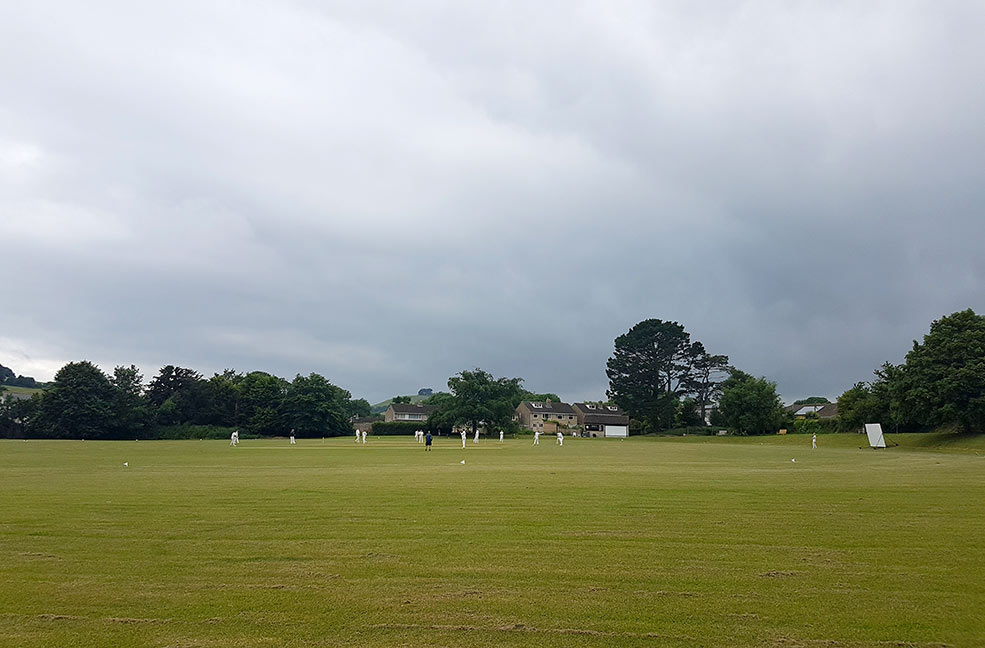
column 642, row 542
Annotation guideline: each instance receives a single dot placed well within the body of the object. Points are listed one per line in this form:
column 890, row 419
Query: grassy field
column 21, row 391
column 642, row 542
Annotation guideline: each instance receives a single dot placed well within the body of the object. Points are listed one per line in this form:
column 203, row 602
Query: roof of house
column 822, row 410
column 553, row 407
column 412, row 408
column 590, row 408
column 606, row 419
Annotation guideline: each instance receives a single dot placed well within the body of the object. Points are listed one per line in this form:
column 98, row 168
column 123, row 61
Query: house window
column 537, row 405
column 589, row 406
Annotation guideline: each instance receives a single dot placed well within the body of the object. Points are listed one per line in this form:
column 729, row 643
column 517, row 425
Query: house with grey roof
column 602, row 420
column 532, row 416
column 412, row 412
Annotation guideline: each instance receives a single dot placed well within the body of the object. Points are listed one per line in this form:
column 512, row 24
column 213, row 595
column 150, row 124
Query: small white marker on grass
column 126, row 464
column 463, row 461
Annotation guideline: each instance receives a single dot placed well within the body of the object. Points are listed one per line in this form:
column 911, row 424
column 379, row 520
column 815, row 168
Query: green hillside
column 380, row 407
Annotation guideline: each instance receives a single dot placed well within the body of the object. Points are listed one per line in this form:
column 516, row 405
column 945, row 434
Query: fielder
column 560, row 438
column 292, row 436
column 814, row 442
column 357, row 436
column 500, row 436
column 476, row 439
column 364, row 437
column 536, row 437
column 463, row 439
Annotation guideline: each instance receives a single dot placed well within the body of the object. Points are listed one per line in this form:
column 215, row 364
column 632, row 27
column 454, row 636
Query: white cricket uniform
column 463, row 438
column 364, row 436
column 536, row 438
column 476, row 439
column 292, row 437
column 814, row 442
column 357, row 436
column 500, row 436
column 560, row 438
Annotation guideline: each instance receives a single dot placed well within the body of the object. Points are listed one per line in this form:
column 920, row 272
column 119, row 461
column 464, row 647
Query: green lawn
column 642, row 542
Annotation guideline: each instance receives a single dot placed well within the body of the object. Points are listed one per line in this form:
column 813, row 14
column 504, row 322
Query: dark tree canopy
column 944, row 376
column 477, row 399
column 79, row 404
column 317, row 408
column 750, row 405
column 654, row 365
column 812, row 400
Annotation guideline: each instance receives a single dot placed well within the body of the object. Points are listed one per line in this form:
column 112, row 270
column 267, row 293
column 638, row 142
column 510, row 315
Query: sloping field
column 643, row 542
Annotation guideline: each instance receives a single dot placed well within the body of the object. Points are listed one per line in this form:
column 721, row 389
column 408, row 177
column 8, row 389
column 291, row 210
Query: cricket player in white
column 814, row 442
column 500, row 436
column 463, row 439
column 357, row 436
column 560, row 438
column 364, row 436
column 476, row 439
column 292, row 436
column 234, row 438
column 536, row 437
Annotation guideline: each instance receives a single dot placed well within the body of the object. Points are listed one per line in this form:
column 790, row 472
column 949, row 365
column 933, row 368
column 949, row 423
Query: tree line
column 83, row 402
column 664, row 380
column 941, row 382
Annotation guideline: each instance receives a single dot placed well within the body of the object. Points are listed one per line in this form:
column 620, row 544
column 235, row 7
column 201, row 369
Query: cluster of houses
column 585, row 419
column 548, row 417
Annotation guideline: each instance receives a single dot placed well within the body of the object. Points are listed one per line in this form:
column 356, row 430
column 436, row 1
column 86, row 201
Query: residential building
column 412, row 412
column 819, row 410
column 602, row 420
column 533, row 415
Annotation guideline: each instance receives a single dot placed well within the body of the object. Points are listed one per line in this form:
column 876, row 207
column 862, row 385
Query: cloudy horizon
column 387, row 194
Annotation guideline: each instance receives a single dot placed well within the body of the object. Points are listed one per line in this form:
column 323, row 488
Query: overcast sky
column 387, row 193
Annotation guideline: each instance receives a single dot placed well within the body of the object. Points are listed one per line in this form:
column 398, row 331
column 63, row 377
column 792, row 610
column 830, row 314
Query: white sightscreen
column 616, row 431
column 874, row 432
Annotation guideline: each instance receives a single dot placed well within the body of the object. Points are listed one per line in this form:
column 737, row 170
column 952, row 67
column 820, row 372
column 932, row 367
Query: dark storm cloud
column 388, row 193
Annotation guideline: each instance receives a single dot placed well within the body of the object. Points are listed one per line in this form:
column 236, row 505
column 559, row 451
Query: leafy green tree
column 185, row 390
column 79, row 404
column 316, row 408
column 397, row 400
column 689, row 413
column 651, row 369
column 131, row 413
column 19, row 416
column 222, row 398
column 536, row 398
column 708, row 373
column 358, row 407
column 944, row 376
column 261, row 397
column 812, row 400
column 750, row 405
column 479, row 399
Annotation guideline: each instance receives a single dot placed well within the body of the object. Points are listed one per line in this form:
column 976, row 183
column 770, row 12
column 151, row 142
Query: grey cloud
column 388, row 194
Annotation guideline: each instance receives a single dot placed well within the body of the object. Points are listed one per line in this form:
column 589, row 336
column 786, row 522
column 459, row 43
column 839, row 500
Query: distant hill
column 379, row 408
column 9, row 379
